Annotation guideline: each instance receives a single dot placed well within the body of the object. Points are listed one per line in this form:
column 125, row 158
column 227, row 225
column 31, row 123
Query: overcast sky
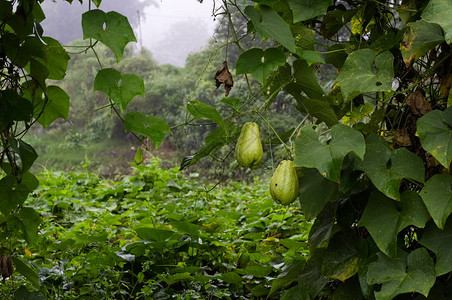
column 165, row 26
column 171, row 30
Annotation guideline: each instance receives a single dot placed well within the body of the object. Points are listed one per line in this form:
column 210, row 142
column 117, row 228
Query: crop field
column 160, row 235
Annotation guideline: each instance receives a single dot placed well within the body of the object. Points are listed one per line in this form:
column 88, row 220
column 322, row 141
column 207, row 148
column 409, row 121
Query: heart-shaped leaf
column 412, row 273
column 364, row 71
column 269, row 24
column 26, row 153
column 121, row 88
column 55, row 58
column 111, row 28
column 260, row 63
column 440, row 242
column 327, row 158
column 435, row 132
column 340, row 260
column 387, row 168
column 315, row 192
column 419, row 38
column 384, row 218
column 13, row 193
column 437, row 196
column 56, row 107
column 202, row 111
column 438, row 11
column 307, row 9
column 151, row 127
column 311, row 57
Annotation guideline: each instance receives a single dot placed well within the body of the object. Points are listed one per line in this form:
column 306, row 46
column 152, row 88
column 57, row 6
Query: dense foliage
column 156, row 235
column 374, row 152
column 371, row 150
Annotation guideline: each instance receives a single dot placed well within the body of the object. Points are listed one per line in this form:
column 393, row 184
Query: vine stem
column 427, row 74
column 274, row 131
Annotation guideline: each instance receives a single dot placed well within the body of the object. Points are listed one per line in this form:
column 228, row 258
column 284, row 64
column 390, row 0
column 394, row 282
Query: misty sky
column 171, row 29
column 175, row 20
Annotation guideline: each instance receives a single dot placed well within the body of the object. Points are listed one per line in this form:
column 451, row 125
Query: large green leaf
column 154, row 234
column 380, row 218
column 121, row 88
column 311, row 57
column 328, row 158
column 318, row 108
column 437, row 196
column 412, row 211
column 26, row 153
column 364, row 71
column 384, row 218
column 304, row 37
column 412, row 273
column 340, row 260
column 438, row 11
column 269, row 24
column 307, row 9
column 260, row 63
column 38, row 71
column 440, row 242
column 31, row 220
column 311, row 199
column 306, row 78
column 232, row 277
column 13, row 193
column 322, row 228
column 203, row 111
column 387, row 168
column 55, row 58
column 13, row 108
column 316, row 103
column 435, row 132
column 56, row 107
column 151, row 127
column 419, row 38
column 311, row 280
column 27, row 270
column 112, row 29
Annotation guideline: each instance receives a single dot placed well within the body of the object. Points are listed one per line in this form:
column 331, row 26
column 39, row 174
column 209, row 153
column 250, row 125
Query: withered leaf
column 402, row 138
column 418, row 104
column 224, row 76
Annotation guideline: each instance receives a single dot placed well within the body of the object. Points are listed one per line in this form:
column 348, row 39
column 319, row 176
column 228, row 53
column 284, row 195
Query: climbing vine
column 374, row 151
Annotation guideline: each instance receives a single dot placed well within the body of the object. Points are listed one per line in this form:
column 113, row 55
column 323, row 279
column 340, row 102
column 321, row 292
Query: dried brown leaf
column 418, row 104
column 402, row 138
column 224, row 76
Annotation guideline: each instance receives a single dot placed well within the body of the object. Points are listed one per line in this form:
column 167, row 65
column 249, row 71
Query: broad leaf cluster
column 373, row 151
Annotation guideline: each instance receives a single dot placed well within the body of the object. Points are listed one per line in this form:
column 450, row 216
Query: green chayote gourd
column 248, row 150
column 284, row 183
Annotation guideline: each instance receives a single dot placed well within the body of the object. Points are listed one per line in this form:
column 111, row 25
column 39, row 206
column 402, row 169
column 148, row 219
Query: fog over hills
column 170, row 29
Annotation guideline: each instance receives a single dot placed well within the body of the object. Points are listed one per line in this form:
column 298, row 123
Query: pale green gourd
column 284, row 183
column 248, row 151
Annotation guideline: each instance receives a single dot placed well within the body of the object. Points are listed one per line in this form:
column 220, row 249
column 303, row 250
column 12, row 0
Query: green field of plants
column 156, row 235
column 346, row 104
